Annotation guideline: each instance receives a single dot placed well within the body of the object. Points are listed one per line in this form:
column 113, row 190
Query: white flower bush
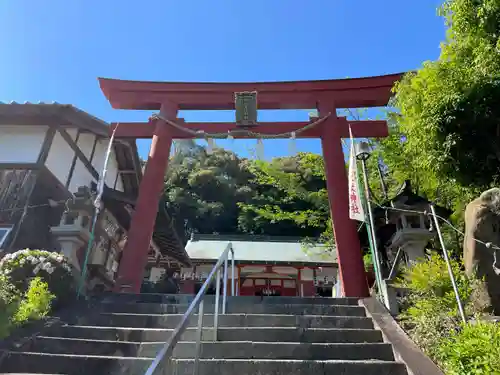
column 23, row 265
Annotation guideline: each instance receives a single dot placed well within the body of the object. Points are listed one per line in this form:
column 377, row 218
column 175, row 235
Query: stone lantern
column 73, row 230
column 412, row 235
column 403, row 231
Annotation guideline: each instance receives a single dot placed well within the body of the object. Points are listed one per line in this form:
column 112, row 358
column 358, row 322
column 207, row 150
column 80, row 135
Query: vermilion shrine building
column 264, row 265
column 168, row 98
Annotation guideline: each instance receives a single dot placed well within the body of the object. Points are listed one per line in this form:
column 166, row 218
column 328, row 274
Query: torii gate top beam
column 344, row 93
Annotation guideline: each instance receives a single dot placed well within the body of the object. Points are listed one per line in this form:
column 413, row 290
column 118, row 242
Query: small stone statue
column 482, row 222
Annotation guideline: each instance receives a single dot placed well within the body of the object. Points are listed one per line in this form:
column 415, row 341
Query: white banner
column 356, row 211
column 102, row 177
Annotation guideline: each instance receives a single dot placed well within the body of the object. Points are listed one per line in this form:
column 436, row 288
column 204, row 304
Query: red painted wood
column 343, row 93
column 347, row 93
column 135, row 253
column 360, row 129
column 252, row 290
column 351, row 267
column 308, row 288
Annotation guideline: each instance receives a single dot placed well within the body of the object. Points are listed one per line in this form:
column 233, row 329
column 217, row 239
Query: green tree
column 289, row 197
column 220, row 193
column 203, row 190
column 447, row 110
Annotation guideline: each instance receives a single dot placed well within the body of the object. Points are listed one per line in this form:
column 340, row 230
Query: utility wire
column 51, row 204
column 487, row 244
column 387, row 208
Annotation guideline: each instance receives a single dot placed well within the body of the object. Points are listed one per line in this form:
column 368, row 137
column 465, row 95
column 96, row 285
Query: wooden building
column 264, row 265
column 50, row 159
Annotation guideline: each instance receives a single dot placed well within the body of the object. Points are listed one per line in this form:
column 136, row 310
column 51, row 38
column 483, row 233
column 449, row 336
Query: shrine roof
column 165, row 235
column 258, row 249
column 347, row 93
column 406, row 198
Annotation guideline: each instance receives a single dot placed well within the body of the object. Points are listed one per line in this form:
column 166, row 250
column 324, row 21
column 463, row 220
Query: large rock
column 482, row 222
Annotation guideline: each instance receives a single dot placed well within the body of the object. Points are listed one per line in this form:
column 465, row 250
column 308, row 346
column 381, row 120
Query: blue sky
column 54, row 50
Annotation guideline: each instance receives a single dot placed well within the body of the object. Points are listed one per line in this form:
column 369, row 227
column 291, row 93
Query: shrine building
column 263, row 265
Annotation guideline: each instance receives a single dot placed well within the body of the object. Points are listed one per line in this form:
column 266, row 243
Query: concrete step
column 228, row 320
column 186, row 299
column 220, row 349
column 237, row 308
column 257, row 334
column 23, row 362
column 40, row 363
column 297, row 367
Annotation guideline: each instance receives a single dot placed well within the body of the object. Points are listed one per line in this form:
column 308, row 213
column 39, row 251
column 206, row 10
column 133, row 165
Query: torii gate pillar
column 349, row 256
column 135, row 255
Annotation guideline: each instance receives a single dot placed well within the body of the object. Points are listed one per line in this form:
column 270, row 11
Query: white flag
column 102, row 177
column 356, row 211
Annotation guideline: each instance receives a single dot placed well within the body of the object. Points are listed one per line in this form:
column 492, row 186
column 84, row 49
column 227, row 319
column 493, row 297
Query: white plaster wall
column 326, row 271
column 85, row 143
column 81, row 177
column 204, row 270
column 98, row 163
column 253, row 269
column 119, row 184
column 156, row 274
column 286, row 270
column 60, row 158
column 72, row 133
column 112, row 171
column 306, row 274
column 326, row 274
column 21, row 144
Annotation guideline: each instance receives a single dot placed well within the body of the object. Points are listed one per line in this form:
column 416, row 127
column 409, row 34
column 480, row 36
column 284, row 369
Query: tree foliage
column 220, row 193
column 203, row 190
column 447, row 110
column 432, row 319
column 289, row 197
column 444, row 125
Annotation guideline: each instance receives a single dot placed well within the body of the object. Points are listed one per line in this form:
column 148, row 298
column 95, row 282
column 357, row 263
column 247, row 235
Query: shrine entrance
column 324, row 96
column 268, row 285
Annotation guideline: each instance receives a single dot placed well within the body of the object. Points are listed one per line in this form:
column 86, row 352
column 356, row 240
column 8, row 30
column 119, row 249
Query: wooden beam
column 116, row 179
column 346, row 93
column 33, row 166
column 40, row 163
column 47, row 142
column 360, row 129
column 96, row 139
column 79, row 153
column 73, row 162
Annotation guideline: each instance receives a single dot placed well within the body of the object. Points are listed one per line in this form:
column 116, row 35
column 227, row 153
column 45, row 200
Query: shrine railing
column 161, row 362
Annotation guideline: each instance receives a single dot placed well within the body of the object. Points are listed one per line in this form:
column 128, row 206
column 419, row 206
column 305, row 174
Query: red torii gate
column 169, row 97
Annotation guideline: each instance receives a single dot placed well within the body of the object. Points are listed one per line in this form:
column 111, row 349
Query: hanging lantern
column 229, row 136
column 245, row 104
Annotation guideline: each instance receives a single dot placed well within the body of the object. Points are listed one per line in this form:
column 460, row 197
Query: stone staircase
column 267, row 336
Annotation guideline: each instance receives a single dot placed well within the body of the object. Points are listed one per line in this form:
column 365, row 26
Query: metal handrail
column 166, row 351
